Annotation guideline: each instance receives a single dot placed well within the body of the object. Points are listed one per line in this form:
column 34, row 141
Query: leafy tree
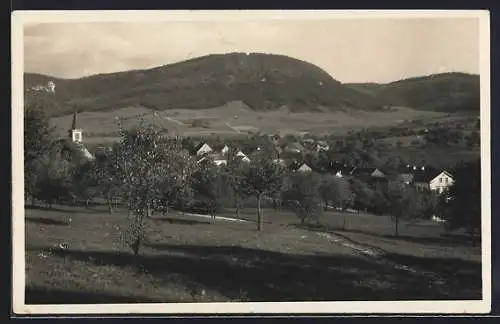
column 55, row 178
column 427, row 204
column 145, row 169
column 105, row 175
column 211, row 186
column 179, row 165
column 461, row 204
column 363, row 194
column 304, row 193
column 379, row 204
column 393, row 163
column 473, row 139
column 336, row 191
column 38, row 138
column 236, row 173
column 402, row 204
column 262, row 177
column 85, row 185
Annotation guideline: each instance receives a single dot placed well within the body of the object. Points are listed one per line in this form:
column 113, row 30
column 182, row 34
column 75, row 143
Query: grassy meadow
column 236, row 118
column 185, row 258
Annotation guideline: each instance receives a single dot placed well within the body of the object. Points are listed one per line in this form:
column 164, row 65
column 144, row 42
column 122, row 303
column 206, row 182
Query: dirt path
column 377, row 255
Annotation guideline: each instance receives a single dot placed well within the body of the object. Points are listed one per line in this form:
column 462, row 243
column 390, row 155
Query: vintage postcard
column 251, row 162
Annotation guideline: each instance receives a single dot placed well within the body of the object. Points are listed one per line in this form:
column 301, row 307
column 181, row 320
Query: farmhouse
column 322, row 146
column 280, row 162
column 433, row 180
column 301, row 168
column 367, row 173
column 203, row 149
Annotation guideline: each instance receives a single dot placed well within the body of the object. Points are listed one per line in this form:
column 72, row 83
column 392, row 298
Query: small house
column 203, row 149
column 433, row 180
column 367, row 172
column 303, row 168
column 322, row 146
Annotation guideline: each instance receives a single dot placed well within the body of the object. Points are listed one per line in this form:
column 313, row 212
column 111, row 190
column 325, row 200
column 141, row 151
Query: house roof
column 364, row 171
column 77, row 150
column 405, row 177
column 426, row 175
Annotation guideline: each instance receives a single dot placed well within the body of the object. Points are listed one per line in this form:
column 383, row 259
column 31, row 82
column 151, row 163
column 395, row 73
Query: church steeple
column 74, row 133
column 73, row 125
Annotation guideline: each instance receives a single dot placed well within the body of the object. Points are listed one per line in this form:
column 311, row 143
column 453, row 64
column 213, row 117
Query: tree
column 38, row 138
column 336, row 191
column 363, row 194
column 304, row 193
column 262, row 177
column 145, row 161
column 104, row 173
column 55, row 176
column 461, row 204
column 236, row 172
column 473, row 139
column 85, row 184
column 402, row 204
column 427, row 204
column 180, row 165
column 211, row 186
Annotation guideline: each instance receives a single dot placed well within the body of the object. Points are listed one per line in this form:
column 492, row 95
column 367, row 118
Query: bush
column 200, row 123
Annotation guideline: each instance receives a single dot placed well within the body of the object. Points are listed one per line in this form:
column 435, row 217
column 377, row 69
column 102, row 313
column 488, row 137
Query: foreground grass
column 187, row 259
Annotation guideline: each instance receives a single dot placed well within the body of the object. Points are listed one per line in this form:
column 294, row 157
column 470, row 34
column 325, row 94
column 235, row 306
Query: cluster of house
column 219, row 157
column 423, row 179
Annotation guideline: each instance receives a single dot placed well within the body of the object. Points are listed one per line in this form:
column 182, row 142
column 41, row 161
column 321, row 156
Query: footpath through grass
column 188, row 259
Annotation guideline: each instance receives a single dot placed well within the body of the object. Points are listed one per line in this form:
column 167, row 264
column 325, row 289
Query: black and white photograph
column 251, row 162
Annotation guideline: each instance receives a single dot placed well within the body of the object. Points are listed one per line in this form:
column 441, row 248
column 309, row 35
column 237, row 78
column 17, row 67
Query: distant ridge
column 262, row 81
column 445, row 92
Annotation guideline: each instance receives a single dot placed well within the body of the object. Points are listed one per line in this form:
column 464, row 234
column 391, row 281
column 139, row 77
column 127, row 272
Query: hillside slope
column 446, row 92
column 262, row 81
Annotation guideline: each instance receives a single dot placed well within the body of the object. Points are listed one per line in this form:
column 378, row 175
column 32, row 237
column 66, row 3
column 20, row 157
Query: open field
column 236, row 117
column 186, row 259
column 439, row 157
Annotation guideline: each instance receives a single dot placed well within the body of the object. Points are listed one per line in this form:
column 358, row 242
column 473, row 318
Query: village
column 293, row 156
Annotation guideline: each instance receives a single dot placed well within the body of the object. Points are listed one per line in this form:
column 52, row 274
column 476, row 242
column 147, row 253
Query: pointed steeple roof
column 73, row 124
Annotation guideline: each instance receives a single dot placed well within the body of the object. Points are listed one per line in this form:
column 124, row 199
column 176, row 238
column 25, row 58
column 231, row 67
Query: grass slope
column 186, row 259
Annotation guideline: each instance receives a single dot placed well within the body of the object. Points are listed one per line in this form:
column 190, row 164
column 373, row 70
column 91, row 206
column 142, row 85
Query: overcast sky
column 354, row 50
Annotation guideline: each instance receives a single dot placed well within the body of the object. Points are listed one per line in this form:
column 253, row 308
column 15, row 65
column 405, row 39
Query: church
column 73, row 147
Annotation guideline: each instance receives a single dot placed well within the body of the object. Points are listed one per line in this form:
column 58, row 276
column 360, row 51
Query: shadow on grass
column 272, row 276
column 69, row 209
column 54, row 209
column 45, row 221
column 36, row 295
column 179, row 221
column 444, row 239
column 456, row 271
